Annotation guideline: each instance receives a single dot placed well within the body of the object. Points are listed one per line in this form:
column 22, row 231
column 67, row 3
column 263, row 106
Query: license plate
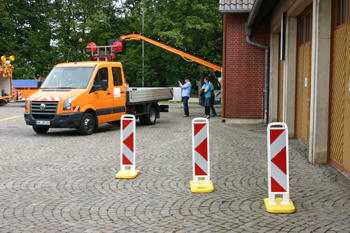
column 42, row 122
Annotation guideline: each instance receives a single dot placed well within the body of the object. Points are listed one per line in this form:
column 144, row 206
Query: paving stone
column 64, row 182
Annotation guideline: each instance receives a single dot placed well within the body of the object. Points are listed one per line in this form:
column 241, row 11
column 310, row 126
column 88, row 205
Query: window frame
column 98, row 87
column 120, row 75
column 301, row 31
column 305, row 27
column 339, row 13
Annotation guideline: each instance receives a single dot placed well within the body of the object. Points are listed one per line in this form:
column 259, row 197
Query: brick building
column 243, row 64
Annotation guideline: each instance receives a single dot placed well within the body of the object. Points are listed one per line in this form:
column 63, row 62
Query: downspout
column 223, row 72
column 248, row 30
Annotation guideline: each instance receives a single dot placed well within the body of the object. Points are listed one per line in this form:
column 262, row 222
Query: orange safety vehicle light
column 95, row 56
column 117, row 46
column 110, row 59
column 91, row 47
column 12, row 58
column 3, row 58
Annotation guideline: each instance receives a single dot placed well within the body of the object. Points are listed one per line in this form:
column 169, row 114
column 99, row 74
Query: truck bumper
column 66, row 120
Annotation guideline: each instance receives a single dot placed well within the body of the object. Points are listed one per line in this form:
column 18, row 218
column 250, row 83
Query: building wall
column 244, row 69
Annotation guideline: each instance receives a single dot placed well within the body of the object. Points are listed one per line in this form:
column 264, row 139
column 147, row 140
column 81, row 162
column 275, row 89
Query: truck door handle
column 122, row 92
column 108, row 93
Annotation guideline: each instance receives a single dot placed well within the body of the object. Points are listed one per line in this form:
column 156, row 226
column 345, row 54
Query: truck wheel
column 142, row 120
column 87, row 124
column 150, row 119
column 3, row 102
column 40, row 130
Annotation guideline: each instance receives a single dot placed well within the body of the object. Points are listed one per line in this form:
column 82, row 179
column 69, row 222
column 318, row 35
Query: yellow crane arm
column 183, row 54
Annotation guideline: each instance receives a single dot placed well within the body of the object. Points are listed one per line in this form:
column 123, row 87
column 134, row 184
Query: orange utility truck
column 84, row 94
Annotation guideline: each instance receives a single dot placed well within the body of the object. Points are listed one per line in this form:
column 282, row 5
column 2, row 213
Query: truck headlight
column 68, row 103
column 26, row 104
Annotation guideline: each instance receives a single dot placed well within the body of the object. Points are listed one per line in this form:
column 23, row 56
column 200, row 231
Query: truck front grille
column 47, row 113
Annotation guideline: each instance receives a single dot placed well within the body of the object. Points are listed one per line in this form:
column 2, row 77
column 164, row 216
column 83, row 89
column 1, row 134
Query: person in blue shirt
column 207, row 93
column 212, row 99
column 186, row 91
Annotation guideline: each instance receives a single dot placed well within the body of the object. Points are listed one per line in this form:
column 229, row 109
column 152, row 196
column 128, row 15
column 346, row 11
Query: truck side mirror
column 39, row 83
column 104, row 85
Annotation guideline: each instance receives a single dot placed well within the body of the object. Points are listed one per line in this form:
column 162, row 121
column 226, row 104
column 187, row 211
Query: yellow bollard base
column 202, row 188
column 127, row 175
column 279, row 208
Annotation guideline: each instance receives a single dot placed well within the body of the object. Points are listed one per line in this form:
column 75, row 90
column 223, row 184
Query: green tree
column 7, row 35
column 195, row 25
column 46, row 32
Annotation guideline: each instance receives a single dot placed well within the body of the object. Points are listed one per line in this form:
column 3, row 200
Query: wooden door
column 303, row 81
column 339, row 126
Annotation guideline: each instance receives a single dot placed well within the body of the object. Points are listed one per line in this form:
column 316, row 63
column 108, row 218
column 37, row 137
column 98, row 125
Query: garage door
column 303, row 82
column 339, row 136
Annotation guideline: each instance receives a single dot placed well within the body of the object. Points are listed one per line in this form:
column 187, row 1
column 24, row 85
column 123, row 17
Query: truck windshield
column 68, row 78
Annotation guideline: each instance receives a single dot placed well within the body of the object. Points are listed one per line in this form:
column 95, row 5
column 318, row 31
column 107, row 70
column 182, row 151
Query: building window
column 343, row 17
column 341, row 12
column 301, row 32
column 305, row 28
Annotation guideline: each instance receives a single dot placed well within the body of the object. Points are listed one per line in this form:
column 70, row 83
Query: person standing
column 220, row 82
column 186, row 92
column 212, row 99
column 207, row 94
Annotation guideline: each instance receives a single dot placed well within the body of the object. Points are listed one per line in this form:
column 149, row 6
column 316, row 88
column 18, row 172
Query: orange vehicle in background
column 6, row 93
column 23, row 88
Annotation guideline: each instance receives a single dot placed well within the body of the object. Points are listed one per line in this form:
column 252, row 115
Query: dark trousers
column 213, row 110
column 207, row 110
column 212, row 103
column 185, row 100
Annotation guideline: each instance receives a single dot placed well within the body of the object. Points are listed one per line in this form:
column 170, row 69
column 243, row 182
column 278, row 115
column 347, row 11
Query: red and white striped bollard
column 127, row 147
column 19, row 95
column 278, row 169
column 201, row 156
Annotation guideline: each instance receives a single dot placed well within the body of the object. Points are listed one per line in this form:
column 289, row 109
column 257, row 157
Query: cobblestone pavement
column 64, row 182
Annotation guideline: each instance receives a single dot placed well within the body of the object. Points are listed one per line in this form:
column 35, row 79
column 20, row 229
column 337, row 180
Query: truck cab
column 82, row 95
